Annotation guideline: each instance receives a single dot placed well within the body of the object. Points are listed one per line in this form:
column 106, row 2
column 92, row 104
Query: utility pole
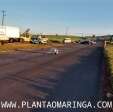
column 3, row 16
column 66, row 31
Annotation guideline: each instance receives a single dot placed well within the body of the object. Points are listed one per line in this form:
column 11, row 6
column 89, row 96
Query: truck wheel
column 21, row 40
column 11, row 40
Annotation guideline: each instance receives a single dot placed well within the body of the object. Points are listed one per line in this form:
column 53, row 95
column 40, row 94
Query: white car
column 67, row 40
column 92, row 42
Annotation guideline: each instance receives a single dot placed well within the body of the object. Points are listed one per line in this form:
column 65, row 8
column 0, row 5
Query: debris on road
column 54, row 51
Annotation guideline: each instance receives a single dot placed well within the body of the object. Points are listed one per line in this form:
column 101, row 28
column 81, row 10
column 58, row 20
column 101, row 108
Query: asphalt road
column 75, row 73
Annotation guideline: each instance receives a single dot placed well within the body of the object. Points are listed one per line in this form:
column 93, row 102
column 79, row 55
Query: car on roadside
column 35, row 39
column 67, row 40
column 86, row 42
column 43, row 40
column 92, row 42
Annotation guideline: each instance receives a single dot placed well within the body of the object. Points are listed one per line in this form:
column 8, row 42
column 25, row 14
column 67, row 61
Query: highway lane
column 36, row 75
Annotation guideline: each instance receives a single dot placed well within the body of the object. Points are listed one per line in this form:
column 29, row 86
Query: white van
column 67, row 40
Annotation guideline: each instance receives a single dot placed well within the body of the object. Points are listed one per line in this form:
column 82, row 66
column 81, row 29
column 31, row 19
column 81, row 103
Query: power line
column 3, row 16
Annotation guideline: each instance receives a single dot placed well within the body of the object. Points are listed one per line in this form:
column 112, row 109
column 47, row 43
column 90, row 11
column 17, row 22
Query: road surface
column 33, row 75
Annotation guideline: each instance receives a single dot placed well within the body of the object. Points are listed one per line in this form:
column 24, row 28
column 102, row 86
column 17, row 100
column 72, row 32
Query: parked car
column 88, row 42
column 84, row 42
column 35, row 39
column 43, row 40
column 67, row 40
column 92, row 42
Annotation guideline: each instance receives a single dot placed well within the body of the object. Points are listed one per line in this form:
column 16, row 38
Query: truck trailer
column 9, row 34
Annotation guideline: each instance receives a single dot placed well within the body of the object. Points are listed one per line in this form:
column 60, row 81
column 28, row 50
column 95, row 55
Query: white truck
column 9, row 34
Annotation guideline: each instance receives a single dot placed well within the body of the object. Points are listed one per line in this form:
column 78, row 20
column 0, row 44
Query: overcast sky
column 59, row 16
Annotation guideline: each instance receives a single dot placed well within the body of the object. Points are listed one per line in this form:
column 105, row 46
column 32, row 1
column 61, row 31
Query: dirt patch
column 12, row 47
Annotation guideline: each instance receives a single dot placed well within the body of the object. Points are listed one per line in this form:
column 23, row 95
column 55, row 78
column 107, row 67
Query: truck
column 26, row 36
column 9, row 34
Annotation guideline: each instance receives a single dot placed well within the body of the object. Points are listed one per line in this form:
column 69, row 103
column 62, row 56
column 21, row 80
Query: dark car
column 35, row 40
column 85, row 42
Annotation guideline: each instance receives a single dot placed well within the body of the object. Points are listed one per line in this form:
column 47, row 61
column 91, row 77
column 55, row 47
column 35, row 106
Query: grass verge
column 17, row 46
column 109, row 62
column 60, row 38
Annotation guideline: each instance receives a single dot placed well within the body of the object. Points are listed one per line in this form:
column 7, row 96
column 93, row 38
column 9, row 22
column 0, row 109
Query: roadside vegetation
column 109, row 61
column 19, row 46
